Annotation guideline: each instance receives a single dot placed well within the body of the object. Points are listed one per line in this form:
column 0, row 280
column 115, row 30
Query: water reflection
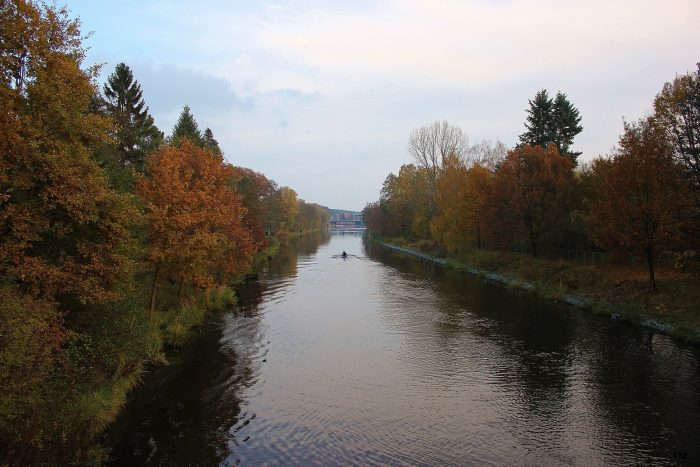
column 383, row 359
column 183, row 413
column 190, row 412
column 573, row 386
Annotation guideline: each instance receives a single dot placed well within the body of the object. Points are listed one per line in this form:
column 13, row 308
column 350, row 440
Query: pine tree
column 539, row 121
column 186, row 127
column 210, row 142
column 566, row 125
column 552, row 122
column 134, row 130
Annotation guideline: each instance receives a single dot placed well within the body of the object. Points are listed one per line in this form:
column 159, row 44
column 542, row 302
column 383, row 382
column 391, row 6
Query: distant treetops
column 642, row 200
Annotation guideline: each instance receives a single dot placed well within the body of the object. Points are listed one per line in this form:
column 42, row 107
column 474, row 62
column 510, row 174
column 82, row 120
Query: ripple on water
column 389, row 361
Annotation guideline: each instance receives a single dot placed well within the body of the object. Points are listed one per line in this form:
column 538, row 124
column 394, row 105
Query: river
column 382, row 359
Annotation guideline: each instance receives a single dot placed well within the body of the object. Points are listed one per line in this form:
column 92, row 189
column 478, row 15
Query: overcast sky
column 322, row 95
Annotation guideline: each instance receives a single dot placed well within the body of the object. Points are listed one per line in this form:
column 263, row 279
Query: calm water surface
column 383, row 359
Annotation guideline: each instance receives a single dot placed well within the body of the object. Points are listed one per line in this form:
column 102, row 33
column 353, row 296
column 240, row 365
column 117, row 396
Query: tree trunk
column 533, row 240
column 650, row 264
column 179, row 289
column 533, row 245
column 152, row 308
column 478, row 236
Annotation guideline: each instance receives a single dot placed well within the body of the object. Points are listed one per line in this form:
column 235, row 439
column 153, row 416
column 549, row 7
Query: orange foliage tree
column 528, row 193
column 462, row 198
column 451, row 225
column 256, row 191
column 195, row 217
column 642, row 195
column 408, row 203
column 283, row 210
column 479, row 185
column 311, row 216
column 63, row 231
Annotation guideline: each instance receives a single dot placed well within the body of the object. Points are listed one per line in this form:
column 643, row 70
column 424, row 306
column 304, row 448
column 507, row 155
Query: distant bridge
column 347, row 224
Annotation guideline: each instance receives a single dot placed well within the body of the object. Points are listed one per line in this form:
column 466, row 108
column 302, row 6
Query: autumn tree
column 195, row 218
column 408, row 202
column 641, row 195
column 134, row 132
column 63, row 230
column 528, row 192
column 375, row 217
column 283, row 210
column 311, row 216
column 677, row 109
column 430, row 145
column 256, row 192
column 478, row 189
column 64, row 233
column 451, row 225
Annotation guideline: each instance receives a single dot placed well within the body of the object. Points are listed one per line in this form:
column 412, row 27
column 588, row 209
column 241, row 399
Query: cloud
column 168, row 88
column 481, row 44
column 321, row 95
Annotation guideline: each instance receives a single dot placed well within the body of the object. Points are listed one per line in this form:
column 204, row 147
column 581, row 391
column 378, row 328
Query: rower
column 344, row 255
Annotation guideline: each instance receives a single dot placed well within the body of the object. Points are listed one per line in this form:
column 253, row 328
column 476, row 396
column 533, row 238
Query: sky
column 321, row 96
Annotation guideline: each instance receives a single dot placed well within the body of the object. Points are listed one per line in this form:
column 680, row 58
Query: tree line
column 641, row 200
column 112, row 235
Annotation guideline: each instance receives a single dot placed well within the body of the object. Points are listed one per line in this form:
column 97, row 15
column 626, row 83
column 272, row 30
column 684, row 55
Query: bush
column 30, row 340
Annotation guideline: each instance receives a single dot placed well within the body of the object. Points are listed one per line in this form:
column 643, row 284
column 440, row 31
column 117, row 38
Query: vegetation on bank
column 618, row 291
column 115, row 240
column 480, row 203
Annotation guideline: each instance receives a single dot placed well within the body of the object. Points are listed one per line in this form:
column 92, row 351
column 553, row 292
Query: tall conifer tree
column 186, row 127
column 210, row 142
column 566, row 125
column 539, row 121
column 134, row 129
column 554, row 122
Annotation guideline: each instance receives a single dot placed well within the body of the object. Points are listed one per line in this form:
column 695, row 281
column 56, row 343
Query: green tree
column 208, row 141
column 187, row 128
column 539, row 121
column 134, row 130
column 554, row 122
column 566, row 122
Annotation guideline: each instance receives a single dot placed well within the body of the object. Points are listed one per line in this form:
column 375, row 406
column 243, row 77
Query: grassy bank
column 62, row 389
column 620, row 292
column 302, row 232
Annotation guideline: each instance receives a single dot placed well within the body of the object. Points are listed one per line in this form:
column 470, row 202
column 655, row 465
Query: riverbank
column 615, row 291
column 173, row 325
